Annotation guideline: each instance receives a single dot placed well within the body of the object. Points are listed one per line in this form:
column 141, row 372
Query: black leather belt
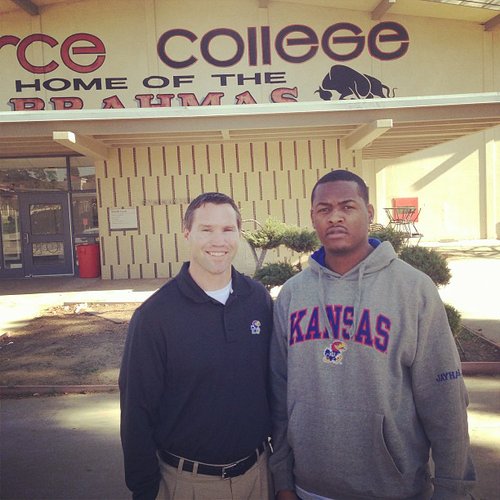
column 224, row 471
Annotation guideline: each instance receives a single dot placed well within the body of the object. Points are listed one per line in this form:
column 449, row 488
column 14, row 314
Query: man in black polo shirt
column 194, row 408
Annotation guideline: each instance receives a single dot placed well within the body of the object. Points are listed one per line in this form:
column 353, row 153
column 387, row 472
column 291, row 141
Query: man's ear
column 371, row 212
column 186, row 232
column 312, row 218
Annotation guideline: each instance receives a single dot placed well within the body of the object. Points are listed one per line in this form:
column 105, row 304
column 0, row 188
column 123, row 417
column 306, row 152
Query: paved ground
column 475, row 284
column 61, row 448
column 68, row 447
column 23, row 299
column 474, row 289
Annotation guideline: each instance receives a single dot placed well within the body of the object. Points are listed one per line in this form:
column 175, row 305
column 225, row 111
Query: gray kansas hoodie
column 366, row 379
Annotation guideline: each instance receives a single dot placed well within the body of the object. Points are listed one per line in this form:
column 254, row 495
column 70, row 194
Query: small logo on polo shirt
column 255, row 327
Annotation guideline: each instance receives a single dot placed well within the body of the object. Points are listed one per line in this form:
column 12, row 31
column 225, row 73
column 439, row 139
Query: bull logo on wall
column 351, row 84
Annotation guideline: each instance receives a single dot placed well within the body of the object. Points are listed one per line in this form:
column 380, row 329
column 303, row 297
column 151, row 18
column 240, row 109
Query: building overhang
column 381, row 128
column 487, row 15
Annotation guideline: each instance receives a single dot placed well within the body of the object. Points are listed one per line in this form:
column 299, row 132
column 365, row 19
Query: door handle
column 26, row 238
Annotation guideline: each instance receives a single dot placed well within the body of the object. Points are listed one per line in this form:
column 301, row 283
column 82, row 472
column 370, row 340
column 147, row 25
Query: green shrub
column 264, row 238
column 275, row 274
column 387, row 233
column 300, row 240
column 267, row 236
column 454, row 319
column 429, row 261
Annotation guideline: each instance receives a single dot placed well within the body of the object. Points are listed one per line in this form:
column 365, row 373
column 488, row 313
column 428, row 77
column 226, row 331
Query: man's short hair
column 216, row 199
column 343, row 175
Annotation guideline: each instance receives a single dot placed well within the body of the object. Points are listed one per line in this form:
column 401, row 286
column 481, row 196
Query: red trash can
column 89, row 260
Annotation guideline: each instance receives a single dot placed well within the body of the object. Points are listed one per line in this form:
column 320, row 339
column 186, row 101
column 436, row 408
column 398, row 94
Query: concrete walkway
column 24, row 299
column 474, row 289
column 68, row 447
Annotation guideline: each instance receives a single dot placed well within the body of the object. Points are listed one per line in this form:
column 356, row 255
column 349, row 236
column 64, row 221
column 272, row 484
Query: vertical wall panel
column 143, row 162
column 208, row 183
column 239, row 189
column 160, row 219
column 175, row 220
column 185, row 159
column 246, row 210
column 261, row 211
column 282, row 187
column 180, row 187
column 125, row 249
column 156, row 158
column 126, row 167
column 195, row 186
column 259, row 156
column 149, row 188
column 290, row 208
column 154, row 248
column 331, row 150
column 171, row 159
column 165, row 190
column 224, row 184
column 200, row 158
column 296, row 183
column 213, row 156
column 268, row 187
column 145, row 218
column 245, row 157
column 273, row 156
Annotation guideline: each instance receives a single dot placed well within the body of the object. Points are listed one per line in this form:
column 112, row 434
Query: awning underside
column 381, row 128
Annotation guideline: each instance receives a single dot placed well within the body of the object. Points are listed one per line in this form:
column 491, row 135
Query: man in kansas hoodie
column 365, row 374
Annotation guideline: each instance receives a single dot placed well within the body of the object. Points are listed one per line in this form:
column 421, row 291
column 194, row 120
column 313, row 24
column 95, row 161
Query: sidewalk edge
column 468, row 368
column 38, row 390
column 480, row 368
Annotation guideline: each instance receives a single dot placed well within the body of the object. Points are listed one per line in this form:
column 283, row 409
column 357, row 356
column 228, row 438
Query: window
column 85, row 223
column 33, row 174
column 82, row 174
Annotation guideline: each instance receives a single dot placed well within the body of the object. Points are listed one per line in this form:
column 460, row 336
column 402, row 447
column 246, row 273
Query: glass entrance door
column 46, row 233
column 11, row 259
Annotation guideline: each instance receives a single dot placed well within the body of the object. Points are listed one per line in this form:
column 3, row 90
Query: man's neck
column 207, row 281
column 342, row 263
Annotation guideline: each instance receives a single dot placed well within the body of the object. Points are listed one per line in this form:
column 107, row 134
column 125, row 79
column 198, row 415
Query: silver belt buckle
column 224, row 470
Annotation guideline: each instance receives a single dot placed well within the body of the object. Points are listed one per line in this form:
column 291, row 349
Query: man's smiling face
column 213, row 242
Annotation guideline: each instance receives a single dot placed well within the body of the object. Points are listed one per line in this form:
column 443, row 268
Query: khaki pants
column 255, row 484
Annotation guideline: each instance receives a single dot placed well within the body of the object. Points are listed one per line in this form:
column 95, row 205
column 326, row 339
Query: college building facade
column 114, row 116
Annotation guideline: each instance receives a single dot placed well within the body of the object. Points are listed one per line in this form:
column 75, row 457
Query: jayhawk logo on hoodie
column 333, row 354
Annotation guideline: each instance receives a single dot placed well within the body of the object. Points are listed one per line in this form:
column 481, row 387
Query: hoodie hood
column 319, row 255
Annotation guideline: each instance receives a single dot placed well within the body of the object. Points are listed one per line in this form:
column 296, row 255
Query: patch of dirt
column 472, row 347
column 83, row 345
column 69, row 345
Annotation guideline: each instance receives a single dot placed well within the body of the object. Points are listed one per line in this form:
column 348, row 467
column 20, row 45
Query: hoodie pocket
column 342, row 451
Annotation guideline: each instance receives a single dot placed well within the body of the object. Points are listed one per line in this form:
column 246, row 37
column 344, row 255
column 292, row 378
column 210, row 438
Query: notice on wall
column 122, row 218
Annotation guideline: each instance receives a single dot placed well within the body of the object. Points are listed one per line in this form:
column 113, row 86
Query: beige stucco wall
column 457, row 184
column 267, row 179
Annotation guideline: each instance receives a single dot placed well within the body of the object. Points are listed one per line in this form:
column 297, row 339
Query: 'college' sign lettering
column 297, row 35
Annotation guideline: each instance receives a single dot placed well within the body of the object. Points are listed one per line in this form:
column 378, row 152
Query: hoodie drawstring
column 356, row 305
